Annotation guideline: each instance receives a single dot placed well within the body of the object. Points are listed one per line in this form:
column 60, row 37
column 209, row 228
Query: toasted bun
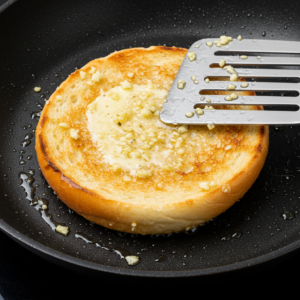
column 217, row 168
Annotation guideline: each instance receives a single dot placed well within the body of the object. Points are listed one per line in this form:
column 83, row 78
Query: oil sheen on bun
column 103, row 149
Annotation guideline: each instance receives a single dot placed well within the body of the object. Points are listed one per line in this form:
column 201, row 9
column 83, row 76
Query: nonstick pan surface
column 42, row 42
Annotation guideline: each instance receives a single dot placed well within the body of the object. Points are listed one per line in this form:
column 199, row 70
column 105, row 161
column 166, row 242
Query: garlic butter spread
column 125, row 127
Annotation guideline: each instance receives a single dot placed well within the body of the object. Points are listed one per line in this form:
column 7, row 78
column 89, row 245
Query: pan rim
column 4, row 6
column 238, row 266
column 230, row 268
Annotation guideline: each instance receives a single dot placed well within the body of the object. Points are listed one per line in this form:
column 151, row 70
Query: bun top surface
column 101, row 129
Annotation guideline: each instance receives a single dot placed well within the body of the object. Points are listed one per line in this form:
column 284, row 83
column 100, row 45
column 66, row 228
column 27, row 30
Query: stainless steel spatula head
column 191, row 98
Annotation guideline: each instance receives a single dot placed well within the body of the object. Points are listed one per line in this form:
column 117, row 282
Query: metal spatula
column 204, row 63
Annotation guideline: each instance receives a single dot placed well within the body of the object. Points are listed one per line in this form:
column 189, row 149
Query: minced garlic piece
column 74, row 134
column 64, row 125
column 227, row 147
column 182, row 129
column 204, row 186
column 44, row 206
column 143, row 174
column 208, row 100
column 82, row 75
column 230, row 69
column 239, row 38
column 191, row 56
column 132, row 260
column 243, row 57
column 97, row 76
column 234, row 77
column 145, row 112
column 199, row 111
column 130, row 75
column 209, row 44
column 222, row 63
column 210, row 126
column 226, row 188
column 90, row 82
column 129, row 136
column 212, row 184
column 181, row 83
column 93, row 70
column 133, row 224
column 244, row 84
column 116, row 168
column 224, row 40
column 64, row 230
column 194, row 78
column 37, row 89
column 233, row 96
column 127, row 178
column 207, row 185
column 207, row 80
column 180, row 152
column 189, row 114
column 160, row 185
column 228, row 98
column 59, row 98
column 126, row 85
column 208, row 107
column 231, row 86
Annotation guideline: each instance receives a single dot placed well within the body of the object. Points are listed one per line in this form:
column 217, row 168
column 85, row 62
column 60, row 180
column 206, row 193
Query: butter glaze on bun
column 103, row 150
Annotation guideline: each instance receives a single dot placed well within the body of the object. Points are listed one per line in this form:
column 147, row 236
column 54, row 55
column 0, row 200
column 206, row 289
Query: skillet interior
column 41, row 49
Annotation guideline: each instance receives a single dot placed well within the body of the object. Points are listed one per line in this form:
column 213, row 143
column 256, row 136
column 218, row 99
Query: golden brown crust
column 103, row 205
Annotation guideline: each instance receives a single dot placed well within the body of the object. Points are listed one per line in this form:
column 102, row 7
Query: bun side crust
column 167, row 218
column 188, row 210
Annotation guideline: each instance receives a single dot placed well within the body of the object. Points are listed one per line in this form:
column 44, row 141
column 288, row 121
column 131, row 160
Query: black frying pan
column 42, row 43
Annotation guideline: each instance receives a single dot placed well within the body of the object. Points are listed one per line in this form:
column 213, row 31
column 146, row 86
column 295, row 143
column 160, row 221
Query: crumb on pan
column 132, row 260
column 64, row 230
